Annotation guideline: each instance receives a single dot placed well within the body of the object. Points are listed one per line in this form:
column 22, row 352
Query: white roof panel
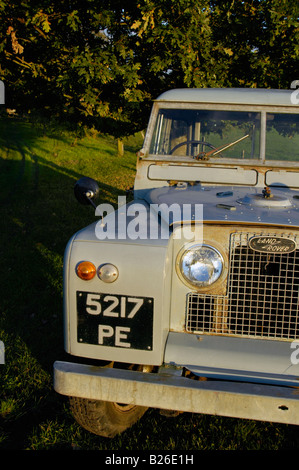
column 253, row 96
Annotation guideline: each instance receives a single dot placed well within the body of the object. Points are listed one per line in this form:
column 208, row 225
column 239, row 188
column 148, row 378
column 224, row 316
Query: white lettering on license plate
column 120, row 335
column 112, row 306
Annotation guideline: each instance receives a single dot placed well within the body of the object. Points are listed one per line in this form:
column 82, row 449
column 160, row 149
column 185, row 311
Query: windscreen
column 228, row 134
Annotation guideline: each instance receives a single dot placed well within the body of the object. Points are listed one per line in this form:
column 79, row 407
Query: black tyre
column 105, row 418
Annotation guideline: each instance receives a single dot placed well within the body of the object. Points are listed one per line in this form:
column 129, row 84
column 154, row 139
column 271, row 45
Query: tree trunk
column 120, row 148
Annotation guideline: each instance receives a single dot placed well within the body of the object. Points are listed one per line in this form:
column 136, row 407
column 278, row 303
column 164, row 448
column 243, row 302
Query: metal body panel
column 235, row 204
column 136, row 265
column 203, row 174
column 240, row 359
column 172, row 392
column 249, row 96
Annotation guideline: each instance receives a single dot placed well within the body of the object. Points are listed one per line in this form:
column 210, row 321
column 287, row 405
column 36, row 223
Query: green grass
column 39, row 165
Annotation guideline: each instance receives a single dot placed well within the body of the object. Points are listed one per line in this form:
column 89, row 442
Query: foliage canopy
column 101, row 63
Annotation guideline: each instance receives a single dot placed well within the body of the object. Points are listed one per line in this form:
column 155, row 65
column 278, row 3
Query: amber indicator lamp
column 86, row 270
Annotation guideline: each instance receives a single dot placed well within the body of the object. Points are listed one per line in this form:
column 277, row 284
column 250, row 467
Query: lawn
column 39, row 164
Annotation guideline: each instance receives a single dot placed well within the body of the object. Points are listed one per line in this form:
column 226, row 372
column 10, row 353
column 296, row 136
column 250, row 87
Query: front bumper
column 168, row 389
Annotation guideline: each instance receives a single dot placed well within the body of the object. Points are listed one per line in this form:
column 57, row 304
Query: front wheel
column 105, row 418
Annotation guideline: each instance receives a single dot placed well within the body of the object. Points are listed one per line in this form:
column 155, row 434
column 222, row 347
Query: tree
column 261, row 39
column 71, row 60
column 101, row 63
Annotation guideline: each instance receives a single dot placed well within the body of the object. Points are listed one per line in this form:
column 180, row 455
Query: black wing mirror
column 86, row 190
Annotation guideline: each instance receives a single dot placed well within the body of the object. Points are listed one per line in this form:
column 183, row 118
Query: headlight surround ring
column 200, row 265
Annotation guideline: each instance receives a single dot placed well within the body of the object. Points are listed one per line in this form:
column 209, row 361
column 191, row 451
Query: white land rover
column 186, row 298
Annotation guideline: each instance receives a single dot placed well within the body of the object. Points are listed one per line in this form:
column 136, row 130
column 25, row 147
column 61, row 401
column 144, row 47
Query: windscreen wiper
column 207, row 155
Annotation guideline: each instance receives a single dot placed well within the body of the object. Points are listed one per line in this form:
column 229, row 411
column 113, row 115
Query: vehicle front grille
column 262, row 296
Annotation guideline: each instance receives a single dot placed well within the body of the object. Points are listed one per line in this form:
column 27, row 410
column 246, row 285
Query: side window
column 282, row 137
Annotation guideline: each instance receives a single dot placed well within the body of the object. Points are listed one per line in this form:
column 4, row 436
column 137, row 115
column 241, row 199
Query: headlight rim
column 196, row 285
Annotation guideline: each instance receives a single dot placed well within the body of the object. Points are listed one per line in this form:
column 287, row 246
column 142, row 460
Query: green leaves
column 73, row 20
column 41, row 20
column 102, row 63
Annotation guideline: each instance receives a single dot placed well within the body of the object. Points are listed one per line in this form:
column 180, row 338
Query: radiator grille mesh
column 261, row 300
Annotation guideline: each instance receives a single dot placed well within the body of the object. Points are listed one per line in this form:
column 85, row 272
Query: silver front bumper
column 167, row 389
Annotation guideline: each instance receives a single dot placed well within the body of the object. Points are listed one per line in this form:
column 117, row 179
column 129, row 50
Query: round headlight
column 201, row 265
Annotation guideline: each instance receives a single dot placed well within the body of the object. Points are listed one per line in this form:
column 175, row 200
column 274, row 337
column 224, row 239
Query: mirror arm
column 89, row 195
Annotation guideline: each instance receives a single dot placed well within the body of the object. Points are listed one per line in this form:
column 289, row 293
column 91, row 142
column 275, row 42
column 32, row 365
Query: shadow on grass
column 39, row 214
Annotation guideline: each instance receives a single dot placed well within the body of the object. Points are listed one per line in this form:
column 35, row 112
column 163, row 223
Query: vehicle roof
column 253, row 96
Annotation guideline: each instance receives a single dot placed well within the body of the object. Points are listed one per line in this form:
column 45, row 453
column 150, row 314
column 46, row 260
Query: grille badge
column 268, row 244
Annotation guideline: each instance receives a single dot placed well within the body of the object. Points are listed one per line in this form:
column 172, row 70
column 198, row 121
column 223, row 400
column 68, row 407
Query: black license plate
column 115, row 320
